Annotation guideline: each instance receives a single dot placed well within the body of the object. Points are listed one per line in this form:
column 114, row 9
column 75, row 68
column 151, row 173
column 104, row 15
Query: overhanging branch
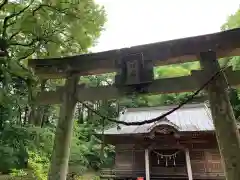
column 33, row 41
column 23, row 44
column 7, row 18
column 14, row 34
column 27, row 55
column 3, row 4
column 63, row 11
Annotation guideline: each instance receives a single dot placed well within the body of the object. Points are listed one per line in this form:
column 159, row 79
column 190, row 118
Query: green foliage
column 30, row 147
column 37, row 168
column 8, row 157
column 86, row 150
column 38, row 164
column 36, row 29
column 176, row 70
column 39, row 29
column 17, row 141
column 53, row 29
column 234, row 95
column 18, row 173
column 233, row 21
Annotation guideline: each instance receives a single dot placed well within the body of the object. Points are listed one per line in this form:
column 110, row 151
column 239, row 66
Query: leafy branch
column 45, row 38
column 3, row 4
column 16, row 14
column 59, row 10
column 14, row 34
column 27, row 55
column 24, row 44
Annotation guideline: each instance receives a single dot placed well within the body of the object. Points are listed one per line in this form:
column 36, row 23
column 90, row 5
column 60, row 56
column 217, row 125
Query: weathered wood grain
column 225, row 43
column 223, row 117
column 168, row 85
column 205, row 160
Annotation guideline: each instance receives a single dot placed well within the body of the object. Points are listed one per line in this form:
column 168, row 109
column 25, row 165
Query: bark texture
column 61, row 150
column 223, row 117
column 37, row 111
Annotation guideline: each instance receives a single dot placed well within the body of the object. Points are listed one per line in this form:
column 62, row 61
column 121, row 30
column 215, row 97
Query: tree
column 39, row 29
column 233, row 21
column 34, row 29
column 47, row 29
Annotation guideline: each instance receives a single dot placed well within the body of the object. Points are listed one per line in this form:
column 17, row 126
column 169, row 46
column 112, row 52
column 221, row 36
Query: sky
column 135, row 22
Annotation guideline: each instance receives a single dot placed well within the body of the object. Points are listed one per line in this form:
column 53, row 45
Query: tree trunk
column 25, row 119
column 223, row 117
column 37, row 111
column 40, row 109
column 80, row 114
column 45, row 117
column 32, row 114
column 61, row 150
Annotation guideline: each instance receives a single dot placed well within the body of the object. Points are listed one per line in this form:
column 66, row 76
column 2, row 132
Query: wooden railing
column 107, row 173
column 160, row 172
column 121, row 173
column 155, row 172
column 169, row 171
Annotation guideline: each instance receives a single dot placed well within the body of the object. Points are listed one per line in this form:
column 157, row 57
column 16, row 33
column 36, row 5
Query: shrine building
column 180, row 146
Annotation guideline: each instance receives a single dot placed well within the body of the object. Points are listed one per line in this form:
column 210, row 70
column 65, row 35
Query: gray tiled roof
column 191, row 117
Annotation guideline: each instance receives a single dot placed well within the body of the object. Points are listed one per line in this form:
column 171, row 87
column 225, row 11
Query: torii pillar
column 61, row 150
column 223, row 117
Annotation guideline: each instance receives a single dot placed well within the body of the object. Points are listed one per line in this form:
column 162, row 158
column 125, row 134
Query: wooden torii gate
column 206, row 48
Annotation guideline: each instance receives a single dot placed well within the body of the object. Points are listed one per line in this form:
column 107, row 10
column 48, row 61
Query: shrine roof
column 189, row 118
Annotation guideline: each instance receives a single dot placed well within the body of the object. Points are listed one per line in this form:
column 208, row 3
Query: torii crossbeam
column 162, row 53
column 207, row 48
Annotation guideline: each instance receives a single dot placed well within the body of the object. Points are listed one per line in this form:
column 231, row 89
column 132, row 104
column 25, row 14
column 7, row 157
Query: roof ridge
column 166, row 120
column 192, row 117
column 166, row 107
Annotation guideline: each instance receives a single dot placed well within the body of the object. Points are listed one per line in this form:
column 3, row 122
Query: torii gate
column 206, row 48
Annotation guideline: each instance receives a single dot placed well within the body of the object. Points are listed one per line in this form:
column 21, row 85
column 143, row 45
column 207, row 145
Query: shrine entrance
column 134, row 67
column 170, row 163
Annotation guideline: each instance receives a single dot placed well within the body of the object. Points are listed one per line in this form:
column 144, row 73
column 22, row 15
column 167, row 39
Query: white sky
column 134, row 22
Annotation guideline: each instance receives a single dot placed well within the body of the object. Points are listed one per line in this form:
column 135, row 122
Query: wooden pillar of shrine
column 188, row 163
column 61, row 149
column 147, row 167
column 223, row 116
